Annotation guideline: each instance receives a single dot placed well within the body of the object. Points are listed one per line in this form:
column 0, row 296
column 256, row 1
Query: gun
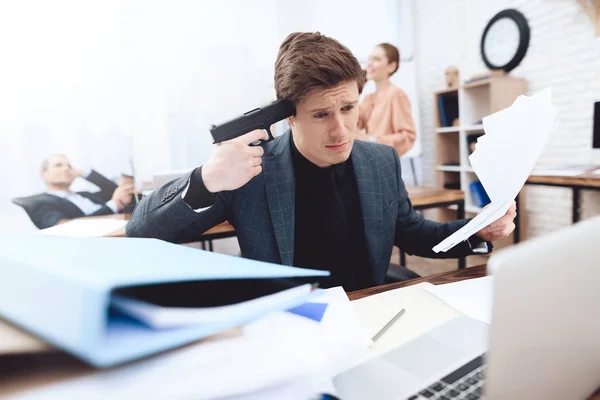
column 259, row 118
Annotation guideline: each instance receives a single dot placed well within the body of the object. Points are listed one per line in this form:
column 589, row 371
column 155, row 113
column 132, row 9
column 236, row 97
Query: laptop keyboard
column 464, row 383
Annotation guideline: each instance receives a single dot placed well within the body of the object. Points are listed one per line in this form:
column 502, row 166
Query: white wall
column 102, row 81
column 105, row 81
column 563, row 53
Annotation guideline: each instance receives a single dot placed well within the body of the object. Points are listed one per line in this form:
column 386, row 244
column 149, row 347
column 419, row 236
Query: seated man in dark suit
column 59, row 202
column 313, row 197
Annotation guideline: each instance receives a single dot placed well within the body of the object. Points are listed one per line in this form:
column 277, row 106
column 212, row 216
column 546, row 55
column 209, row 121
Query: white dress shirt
column 86, row 205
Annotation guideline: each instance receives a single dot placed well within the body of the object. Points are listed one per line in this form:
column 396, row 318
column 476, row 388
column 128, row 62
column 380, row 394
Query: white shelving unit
column 449, row 168
column 450, row 129
column 473, row 128
column 475, row 101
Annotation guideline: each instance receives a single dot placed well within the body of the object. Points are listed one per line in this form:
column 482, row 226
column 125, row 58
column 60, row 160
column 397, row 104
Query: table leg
column 460, row 211
column 402, row 258
column 576, row 216
column 460, row 214
column 210, row 245
column 414, row 171
column 517, row 221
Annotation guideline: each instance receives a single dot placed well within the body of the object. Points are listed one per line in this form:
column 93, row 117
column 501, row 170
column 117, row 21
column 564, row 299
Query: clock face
column 505, row 40
column 501, row 42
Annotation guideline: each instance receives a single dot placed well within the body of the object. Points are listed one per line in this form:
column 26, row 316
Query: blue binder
column 59, row 289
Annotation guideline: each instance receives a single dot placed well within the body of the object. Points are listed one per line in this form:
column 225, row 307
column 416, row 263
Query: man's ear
column 291, row 121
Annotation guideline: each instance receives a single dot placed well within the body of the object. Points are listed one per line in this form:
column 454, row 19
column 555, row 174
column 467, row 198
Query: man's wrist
column 196, row 194
column 207, row 182
column 479, row 245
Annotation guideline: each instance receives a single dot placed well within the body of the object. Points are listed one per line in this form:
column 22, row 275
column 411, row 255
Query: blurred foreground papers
column 280, row 356
column 505, row 156
column 60, row 289
column 276, row 357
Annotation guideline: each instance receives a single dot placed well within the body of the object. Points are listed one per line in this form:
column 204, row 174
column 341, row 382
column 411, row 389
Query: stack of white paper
column 345, row 342
column 280, row 356
column 275, row 357
column 505, row 156
column 159, row 317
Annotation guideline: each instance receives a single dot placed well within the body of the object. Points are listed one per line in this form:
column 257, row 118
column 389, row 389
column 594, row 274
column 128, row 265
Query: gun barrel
column 259, row 118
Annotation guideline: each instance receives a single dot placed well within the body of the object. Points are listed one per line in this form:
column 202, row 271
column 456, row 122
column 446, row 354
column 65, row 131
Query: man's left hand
column 500, row 228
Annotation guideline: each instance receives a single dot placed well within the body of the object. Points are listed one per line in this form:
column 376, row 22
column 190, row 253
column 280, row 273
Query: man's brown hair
column 308, row 60
column 392, row 54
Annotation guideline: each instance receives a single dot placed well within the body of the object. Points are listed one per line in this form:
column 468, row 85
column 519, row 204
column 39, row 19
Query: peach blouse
column 389, row 119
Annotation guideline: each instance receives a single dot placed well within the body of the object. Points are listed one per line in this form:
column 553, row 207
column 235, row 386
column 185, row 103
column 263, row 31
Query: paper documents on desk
column 280, row 356
column 85, row 228
column 471, row 297
column 424, row 311
column 505, row 156
column 159, row 317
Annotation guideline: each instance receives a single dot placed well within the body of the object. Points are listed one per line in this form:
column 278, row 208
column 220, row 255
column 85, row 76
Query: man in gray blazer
column 59, row 202
column 314, row 197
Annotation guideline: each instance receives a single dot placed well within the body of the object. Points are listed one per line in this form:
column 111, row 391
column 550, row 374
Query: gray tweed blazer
column 262, row 211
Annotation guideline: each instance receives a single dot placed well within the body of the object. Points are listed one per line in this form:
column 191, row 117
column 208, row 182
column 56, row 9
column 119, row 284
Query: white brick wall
column 563, row 52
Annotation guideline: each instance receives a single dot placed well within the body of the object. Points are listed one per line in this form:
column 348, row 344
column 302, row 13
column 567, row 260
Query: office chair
column 398, row 273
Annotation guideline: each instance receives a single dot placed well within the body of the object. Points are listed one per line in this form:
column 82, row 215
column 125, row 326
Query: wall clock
column 505, row 40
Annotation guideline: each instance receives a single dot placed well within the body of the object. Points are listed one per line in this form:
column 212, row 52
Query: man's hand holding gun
column 236, row 156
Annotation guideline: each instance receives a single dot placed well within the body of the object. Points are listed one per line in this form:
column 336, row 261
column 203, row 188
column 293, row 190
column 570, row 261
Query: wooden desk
column 447, row 277
column 576, row 183
column 439, row 279
column 26, row 372
column 424, row 197
column 220, row 231
column 120, row 217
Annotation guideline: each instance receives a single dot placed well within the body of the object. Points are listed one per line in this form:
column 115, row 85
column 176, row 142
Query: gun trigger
column 269, row 135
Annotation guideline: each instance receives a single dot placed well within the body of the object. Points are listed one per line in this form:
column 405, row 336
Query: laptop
column 543, row 343
column 162, row 178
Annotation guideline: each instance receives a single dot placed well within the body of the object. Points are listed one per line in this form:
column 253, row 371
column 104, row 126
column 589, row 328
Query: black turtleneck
column 329, row 232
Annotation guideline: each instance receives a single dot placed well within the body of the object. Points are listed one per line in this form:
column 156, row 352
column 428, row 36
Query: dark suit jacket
column 262, row 211
column 45, row 210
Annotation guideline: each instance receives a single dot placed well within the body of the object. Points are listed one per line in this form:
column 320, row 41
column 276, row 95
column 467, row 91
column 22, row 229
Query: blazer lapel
column 369, row 184
column 67, row 208
column 280, row 188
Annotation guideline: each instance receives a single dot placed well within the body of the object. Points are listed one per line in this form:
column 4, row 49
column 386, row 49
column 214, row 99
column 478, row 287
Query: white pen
column 388, row 325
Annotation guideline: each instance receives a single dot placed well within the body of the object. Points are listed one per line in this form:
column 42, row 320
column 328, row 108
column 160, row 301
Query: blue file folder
column 59, row 289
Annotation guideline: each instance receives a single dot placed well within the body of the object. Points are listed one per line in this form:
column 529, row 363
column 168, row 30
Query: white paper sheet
column 345, row 339
column 424, row 312
column 279, row 355
column 505, row 156
column 159, row 317
column 85, row 228
column 471, row 297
